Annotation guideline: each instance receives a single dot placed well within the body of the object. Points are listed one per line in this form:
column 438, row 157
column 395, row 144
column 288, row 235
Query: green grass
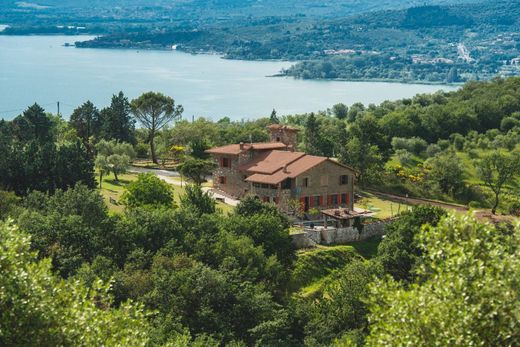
column 367, row 248
column 184, row 181
column 383, row 208
column 313, row 266
column 113, row 189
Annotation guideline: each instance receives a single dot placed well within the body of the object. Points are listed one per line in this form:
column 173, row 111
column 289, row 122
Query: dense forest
column 178, row 270
column 439, row 42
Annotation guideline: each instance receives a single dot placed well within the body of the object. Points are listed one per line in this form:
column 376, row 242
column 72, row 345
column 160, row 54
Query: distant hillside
column 441, row 44
column 431, row 41
column 233, row 7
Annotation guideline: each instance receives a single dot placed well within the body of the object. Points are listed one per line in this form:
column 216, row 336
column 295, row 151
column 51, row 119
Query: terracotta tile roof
column 295, row 168
column 276, row 164
column 304, row 164
column 229, row 149
column 271, row 162
column 269, row 145
column 280, row 126
column 235, row 148
column 267, row 179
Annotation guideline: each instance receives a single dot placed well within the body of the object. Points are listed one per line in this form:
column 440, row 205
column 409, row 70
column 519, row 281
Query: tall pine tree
column 117, row 123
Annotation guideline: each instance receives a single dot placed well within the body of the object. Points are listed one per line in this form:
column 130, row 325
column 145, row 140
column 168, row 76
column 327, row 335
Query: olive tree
column 196, row 169
column 113, row 156
column 498, row 169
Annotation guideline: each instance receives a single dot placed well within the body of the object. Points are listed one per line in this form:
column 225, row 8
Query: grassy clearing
column 367, row 248
column 313, row 266
column 383, row 208
column 113, row 189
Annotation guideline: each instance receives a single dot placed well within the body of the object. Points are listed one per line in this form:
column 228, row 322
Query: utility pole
column 58, row 103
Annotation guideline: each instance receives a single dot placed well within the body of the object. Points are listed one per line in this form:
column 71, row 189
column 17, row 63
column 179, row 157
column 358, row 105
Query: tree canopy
column 154, row 111
column 148, row 190
column 38, row 308
column 469, row 292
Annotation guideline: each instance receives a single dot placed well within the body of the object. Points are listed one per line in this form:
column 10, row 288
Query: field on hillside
column 476, row 194
column 316, row 267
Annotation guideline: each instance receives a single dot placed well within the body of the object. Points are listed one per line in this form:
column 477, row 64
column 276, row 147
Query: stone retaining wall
column 331, row 236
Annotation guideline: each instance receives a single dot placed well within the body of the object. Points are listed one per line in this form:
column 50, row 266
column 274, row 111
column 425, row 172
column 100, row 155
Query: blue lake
column 40, row 69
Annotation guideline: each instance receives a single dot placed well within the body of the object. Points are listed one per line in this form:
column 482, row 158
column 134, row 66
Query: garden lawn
column 383, row 208
column 113, row 189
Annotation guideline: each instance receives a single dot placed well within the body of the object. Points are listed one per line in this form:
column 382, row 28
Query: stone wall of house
column 314, row 235
column 324, row 180
column 235, row 184
column 288, row 137
column 264, row 192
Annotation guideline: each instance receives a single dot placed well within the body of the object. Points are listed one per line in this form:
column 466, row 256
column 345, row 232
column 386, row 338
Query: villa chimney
column 285, row 168
column 241, row 145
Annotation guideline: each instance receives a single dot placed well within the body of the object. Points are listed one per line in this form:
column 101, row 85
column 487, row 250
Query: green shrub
column 141, row 150
column 474, row 204
column 148, row 190
column 433, row 149
column 313, row 265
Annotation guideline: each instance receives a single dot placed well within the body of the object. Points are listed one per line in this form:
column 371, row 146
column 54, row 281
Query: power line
column 24, row 108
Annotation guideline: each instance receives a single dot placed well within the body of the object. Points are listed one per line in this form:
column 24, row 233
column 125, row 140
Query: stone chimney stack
column 285, row 168
column 241, row 145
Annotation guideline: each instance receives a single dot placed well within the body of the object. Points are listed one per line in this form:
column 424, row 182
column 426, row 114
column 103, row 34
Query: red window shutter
column 348, row 198
column 329, row 200
column 221, row 161
column 302, row 202
column 321, row 200
column 311, row 201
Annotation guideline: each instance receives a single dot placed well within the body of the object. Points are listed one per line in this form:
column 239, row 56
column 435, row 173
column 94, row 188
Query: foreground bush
column 39, row 309
column 469, row 295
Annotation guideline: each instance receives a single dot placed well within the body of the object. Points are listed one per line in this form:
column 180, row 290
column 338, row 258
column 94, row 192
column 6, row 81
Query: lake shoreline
column 224, row 56
column 374, row 80
column 205, row 84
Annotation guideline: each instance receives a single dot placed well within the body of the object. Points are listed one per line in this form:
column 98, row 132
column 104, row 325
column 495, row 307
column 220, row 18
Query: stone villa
column 274, row 172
